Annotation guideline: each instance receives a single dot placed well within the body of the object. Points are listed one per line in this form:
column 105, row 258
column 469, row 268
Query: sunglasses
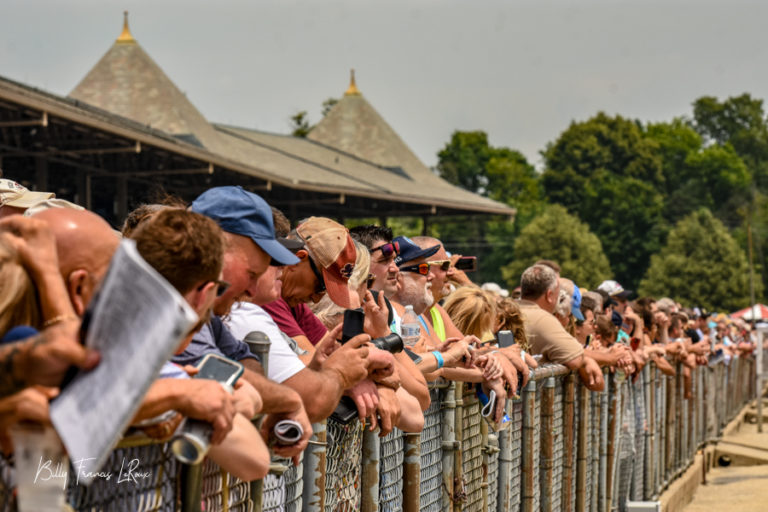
column 221, row 286
column 443, row 264
column 421, row 268
column 388, row 250
column 371, row 279
column 320, row 288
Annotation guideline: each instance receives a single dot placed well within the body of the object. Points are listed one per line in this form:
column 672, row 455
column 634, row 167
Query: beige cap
column 19, row 196
column 334, row 251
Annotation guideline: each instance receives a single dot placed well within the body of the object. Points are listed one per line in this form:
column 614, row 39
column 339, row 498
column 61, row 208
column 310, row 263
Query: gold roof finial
column 125, row 36
column 352, row 90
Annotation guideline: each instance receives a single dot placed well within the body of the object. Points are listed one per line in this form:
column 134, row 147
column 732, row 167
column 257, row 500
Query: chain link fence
column 566, row 448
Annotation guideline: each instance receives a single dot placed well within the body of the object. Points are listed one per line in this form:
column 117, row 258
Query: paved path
column 736, row 488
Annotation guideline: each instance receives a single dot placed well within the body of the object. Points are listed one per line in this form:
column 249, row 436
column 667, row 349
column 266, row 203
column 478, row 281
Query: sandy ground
column 736, row 488
column 733, row 489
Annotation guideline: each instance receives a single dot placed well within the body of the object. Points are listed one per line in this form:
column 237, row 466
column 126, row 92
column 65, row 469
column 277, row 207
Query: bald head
column 83, row 239
column 85, row 244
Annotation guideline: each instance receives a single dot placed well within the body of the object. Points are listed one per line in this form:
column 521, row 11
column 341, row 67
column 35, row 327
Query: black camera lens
column 392, row 343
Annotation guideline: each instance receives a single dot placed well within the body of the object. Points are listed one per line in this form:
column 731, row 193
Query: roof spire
column 352, row 90
column 125, row 36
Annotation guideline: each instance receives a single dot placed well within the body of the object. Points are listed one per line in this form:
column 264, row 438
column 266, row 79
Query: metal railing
column 566, row 449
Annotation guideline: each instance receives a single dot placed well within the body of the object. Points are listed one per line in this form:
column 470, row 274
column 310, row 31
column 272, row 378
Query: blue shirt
column 215, row 338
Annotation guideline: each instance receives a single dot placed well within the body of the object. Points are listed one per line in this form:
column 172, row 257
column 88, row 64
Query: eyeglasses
column 388, row 250
column 320, row 288
column 221, row 286
column 421, row 268
column 444, row 264
column 371, row 279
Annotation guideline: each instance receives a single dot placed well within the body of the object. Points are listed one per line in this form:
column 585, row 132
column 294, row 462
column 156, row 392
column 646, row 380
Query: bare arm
column 319, row 390
column 243, row 452
column 412, row 379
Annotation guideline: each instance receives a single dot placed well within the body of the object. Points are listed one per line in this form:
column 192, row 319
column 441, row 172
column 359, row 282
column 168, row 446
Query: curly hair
column 509, row 318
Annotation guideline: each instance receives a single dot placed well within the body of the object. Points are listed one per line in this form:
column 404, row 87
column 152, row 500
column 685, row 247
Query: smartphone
column 354, row 320
column 416, row 358
column 506, row 339
column 467, row 263
column 220, row 369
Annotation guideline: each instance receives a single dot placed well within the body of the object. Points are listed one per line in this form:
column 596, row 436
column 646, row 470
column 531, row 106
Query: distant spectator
column 540, row 290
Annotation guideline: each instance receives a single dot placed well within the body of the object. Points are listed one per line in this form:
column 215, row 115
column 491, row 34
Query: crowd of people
column 243, row 268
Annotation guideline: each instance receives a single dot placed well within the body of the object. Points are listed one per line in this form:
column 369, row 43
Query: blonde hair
column 18, row 298
column 472, row 310
column 362, row 267
column 328, row 312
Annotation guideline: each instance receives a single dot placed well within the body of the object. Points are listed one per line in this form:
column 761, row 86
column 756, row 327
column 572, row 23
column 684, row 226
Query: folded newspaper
column 136, row 322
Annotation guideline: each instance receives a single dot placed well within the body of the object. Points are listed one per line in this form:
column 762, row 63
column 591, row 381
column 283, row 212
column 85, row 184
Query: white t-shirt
column 284, row 353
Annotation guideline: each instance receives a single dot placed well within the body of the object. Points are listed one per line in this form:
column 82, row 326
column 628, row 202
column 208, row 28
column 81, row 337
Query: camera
column 392, row 343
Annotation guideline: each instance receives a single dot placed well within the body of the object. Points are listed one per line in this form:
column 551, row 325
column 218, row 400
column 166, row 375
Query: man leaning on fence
column 540, row 289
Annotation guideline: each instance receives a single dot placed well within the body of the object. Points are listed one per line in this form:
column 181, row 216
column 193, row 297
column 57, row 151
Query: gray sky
column 520, row 70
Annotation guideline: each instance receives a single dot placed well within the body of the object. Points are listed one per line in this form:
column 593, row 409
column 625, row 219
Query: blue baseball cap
column 240, row 212
column 576, row 304
column 409, row 251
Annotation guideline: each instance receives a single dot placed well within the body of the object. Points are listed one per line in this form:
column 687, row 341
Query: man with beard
column 415, row 289
column 442, row 325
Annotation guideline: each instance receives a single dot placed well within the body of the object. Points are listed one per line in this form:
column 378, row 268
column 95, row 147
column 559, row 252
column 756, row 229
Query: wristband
column 439, row 358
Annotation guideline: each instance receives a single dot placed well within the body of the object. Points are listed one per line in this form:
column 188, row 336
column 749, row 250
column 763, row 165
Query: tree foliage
column 299, row 122
column 300, row 126
column 699, row 175
column 562, row 237
column 701, row 265
column 501, row 173
column 606, row 172
column 741, row 122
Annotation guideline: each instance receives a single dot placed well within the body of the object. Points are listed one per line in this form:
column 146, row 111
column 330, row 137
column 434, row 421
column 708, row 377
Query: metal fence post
column 529, row 431
column 370, row 471
column 412, row 472
column 568, row 427
column 669, row 446
column 450, row 445
column 547, row 443
column 191, row 487
column 459, row 492
column 313, row 494
column 583, row 457
column 650, row 441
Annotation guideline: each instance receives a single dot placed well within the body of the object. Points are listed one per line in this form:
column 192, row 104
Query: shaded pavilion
column 127, row 133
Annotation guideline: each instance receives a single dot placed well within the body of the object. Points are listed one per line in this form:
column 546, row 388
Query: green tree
column 701, row 265
column 609, row 174
column 697, row 176
column 562, row 237
column 463, row 161
column 299, row 122
column 300, row 126
column 501, row 173
column 740, row 121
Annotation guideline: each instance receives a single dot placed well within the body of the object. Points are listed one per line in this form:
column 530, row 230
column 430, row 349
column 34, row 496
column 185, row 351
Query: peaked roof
column 355, row 127
column 126, row 81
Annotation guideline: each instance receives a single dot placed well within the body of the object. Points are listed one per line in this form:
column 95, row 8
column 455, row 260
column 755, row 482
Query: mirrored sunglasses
column 421, row 268
column 388, row 250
